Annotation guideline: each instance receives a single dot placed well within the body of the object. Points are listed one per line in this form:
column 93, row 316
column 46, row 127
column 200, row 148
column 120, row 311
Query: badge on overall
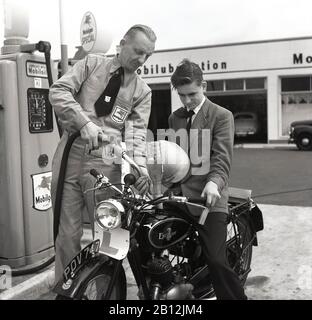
column 119, row 114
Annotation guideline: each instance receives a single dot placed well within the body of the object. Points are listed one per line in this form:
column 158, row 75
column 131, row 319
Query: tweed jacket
column 212, row 134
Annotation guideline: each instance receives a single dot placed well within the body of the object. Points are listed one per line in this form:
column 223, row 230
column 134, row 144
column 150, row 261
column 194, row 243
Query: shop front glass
column 296, row 101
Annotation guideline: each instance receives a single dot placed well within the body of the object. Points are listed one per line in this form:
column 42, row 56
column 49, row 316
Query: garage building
column 271, row 79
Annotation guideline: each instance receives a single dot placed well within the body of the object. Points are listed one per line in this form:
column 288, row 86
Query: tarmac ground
column 281, row 263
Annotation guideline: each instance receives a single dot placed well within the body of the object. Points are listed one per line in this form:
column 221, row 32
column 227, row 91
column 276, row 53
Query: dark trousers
column 225, row 281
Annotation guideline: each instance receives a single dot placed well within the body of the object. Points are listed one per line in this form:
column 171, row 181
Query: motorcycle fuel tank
column 167, row 232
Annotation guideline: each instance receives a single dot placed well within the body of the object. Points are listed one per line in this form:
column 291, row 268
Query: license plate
column 78, row 261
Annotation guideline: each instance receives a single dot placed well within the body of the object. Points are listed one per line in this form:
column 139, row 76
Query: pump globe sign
column 95, row 36
column 88, row 31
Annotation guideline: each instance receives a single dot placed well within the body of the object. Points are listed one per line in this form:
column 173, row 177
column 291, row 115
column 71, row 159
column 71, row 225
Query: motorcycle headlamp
column 108, row 214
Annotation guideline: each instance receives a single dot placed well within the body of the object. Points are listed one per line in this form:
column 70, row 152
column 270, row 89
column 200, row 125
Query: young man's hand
column 211, row 193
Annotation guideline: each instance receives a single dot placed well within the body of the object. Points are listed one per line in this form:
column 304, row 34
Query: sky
column 177, row 23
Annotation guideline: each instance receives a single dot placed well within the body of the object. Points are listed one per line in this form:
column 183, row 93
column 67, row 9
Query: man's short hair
column 142, row 28
column 186, row 72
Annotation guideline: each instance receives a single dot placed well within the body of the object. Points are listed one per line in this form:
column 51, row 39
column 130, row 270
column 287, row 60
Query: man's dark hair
column 142, row 28
column 186, row 72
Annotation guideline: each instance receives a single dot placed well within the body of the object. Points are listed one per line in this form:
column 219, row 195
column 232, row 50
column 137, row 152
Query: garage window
column 296, row 84
column 254, row 83
column 296, row 100
column 216, row 85
column 236, row 85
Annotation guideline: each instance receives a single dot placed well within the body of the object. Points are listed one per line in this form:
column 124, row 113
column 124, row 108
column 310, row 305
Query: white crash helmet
column 167, row 162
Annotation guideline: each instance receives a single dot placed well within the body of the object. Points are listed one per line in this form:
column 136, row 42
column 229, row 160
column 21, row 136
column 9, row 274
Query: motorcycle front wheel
column 95, row 286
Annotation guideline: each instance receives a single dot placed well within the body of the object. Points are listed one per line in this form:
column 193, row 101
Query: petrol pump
column 28, row 139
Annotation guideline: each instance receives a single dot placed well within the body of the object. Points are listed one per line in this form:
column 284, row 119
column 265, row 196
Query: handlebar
column 100, row 181
column 199, row 202
column 195, row 201
column 95, row 174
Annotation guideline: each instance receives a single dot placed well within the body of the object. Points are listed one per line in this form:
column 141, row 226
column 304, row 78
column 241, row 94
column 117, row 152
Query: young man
column 104, row 99
column 211, row 182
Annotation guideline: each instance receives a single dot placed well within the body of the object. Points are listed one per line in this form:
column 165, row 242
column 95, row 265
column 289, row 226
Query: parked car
column 301, row 134
column 246, row 124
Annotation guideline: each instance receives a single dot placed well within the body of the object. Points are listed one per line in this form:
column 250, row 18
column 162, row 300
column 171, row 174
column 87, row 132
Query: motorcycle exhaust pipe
column 182, row 291
column 155, row 291
column 203, row 216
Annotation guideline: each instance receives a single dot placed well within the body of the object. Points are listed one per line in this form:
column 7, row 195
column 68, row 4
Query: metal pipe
column 64, row 51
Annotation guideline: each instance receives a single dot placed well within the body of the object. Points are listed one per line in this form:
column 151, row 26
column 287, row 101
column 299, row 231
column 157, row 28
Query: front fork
column 113, row 279
column 136, row 267
column 135, row 264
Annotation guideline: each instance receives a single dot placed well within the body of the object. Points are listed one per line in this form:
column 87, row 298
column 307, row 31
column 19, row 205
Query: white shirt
column 196, row 109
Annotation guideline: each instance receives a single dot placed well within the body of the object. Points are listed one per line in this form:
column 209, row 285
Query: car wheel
column 304, row 141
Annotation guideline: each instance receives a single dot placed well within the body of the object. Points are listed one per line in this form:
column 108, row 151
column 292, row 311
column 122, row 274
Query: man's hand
column 144, row 182
column 211, row 193
column 91, row 133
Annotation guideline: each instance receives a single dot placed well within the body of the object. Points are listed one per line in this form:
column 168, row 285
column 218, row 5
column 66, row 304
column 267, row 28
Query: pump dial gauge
column 39, row 110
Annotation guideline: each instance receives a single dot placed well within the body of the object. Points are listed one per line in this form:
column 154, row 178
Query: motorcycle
column 159, row 238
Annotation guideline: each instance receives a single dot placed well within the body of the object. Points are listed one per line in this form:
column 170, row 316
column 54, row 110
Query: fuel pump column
column 28, row 139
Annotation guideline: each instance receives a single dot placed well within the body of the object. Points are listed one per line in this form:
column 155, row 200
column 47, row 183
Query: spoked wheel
column 239, row 247
column 96, row 287
column 238, row 251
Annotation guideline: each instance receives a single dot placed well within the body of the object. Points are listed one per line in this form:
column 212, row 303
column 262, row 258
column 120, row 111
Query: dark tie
column 104, row 104
column 183, row 113
column 189, row 120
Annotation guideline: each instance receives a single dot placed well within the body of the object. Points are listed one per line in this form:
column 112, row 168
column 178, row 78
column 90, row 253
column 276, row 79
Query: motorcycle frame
column 135, row 259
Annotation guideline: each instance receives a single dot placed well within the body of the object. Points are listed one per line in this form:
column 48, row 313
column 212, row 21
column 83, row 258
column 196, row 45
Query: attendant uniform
column 73, row 97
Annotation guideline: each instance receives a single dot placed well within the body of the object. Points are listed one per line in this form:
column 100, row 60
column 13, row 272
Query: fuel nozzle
column 41, row 46
column 44, row 46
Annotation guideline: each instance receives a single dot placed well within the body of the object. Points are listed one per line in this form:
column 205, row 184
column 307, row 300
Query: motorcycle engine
column 161, row 271
column 165, row 284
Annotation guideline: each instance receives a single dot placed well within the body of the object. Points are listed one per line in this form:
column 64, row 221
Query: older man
column 104, row 99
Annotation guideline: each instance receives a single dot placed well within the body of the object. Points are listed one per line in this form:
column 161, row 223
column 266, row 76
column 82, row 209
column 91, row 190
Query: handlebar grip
column 198, row 200
column 94, row 173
